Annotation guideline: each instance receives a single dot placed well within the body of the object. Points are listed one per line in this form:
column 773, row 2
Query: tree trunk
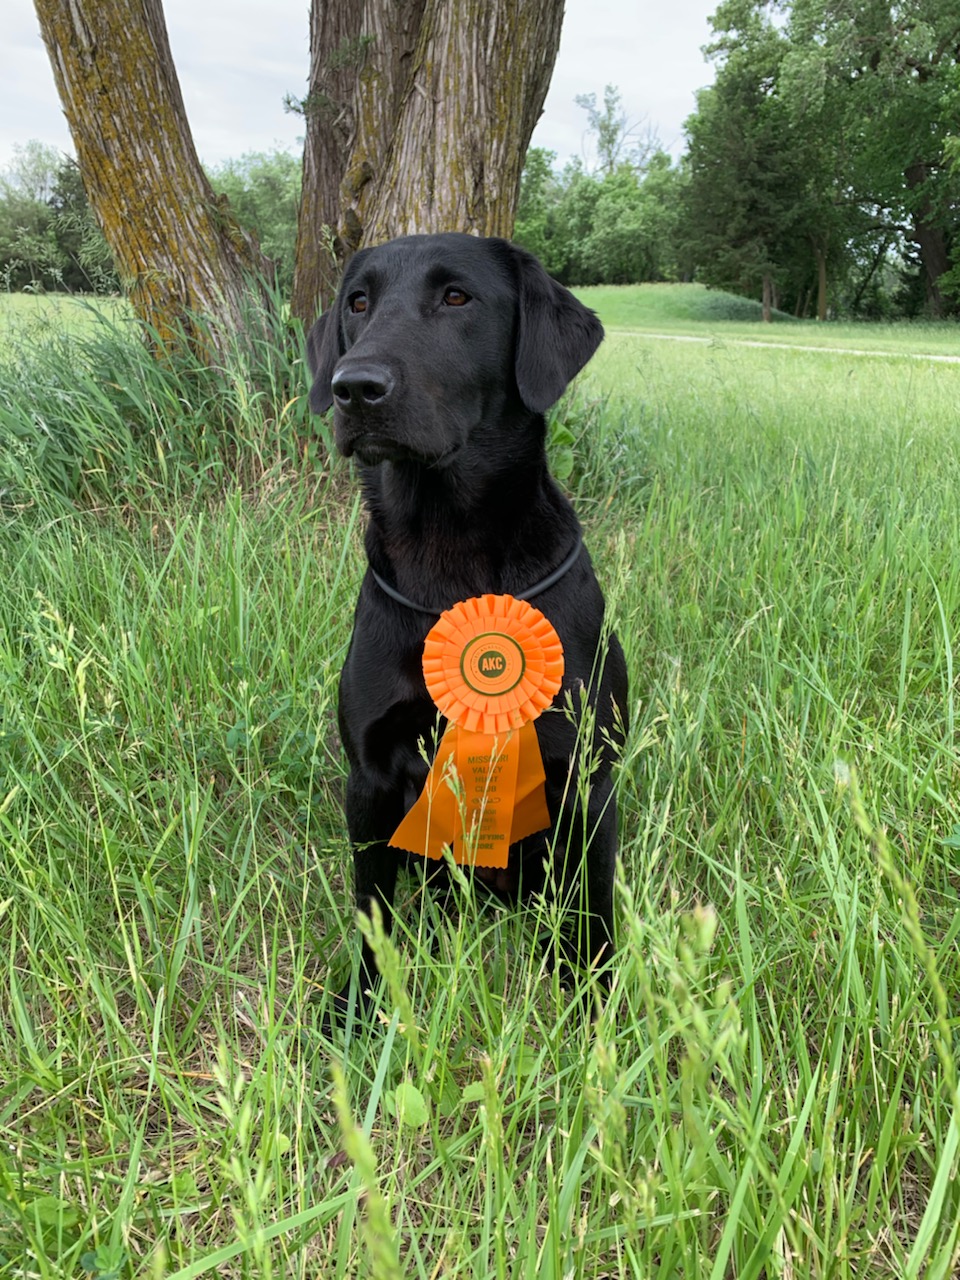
column 878, row 258
column 821, row 281
column 930, row 238
column 767, row 298
column 176, row 245
column 435, row 130
column 360, row 54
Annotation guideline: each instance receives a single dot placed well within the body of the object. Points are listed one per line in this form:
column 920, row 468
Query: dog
column 440, row 356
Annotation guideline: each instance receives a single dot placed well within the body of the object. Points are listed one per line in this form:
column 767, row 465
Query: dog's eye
column 357, row 303
column 455, row 297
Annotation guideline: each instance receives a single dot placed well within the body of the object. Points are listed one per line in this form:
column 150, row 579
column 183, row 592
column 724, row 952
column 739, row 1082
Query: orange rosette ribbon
column 491, row 664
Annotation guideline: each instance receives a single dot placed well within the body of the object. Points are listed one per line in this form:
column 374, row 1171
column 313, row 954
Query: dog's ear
column 556, row 334
column 324, row 349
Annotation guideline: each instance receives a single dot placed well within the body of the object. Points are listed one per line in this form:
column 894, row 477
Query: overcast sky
column 238, row 58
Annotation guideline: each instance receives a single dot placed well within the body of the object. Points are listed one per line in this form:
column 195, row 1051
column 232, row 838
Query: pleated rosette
column 491, row 664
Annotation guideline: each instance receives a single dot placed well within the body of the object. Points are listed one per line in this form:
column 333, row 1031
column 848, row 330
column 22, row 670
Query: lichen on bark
column 178, row 249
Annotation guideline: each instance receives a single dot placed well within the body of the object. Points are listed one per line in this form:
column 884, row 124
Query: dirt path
column 785, row 346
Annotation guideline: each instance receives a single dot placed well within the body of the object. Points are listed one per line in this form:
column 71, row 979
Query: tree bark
column 436, row 125
column 360, row 54
column 930, row 237
column 177, row 247
column 821, row 253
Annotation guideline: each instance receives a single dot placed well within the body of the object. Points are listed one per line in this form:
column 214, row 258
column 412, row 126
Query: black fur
column 442, row 405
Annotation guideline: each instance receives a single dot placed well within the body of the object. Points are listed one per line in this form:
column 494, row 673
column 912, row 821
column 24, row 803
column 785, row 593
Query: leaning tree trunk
column 177, row 248
column 445, row 97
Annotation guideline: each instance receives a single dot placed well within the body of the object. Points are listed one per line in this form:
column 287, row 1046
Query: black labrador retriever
column 441, row 355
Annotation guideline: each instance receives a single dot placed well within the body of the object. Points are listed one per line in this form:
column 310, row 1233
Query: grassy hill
column 697, row 311
column 646, row 305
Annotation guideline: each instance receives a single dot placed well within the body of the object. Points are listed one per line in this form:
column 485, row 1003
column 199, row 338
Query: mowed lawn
column 772, row 1088
column 53, row 314
column 712, row 315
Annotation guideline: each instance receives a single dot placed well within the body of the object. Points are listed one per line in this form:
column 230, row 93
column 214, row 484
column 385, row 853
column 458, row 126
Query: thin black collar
column 537, row 589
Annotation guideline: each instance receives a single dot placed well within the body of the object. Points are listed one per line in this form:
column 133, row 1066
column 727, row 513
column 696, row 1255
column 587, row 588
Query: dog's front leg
column 584, row 865
column 372, row 817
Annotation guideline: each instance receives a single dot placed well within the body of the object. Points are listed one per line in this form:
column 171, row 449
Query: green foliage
column 538, row 195
column 616, row 228
column 616, row 225
column 746, row 203
column 817, row 160
column 49, row 238
column 633, row 233
column 573, row 218
column 85, row 255
column 28, row 250
column 263, row 188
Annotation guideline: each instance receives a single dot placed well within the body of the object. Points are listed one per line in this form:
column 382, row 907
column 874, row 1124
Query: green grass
column 53, row 313
column 88, row 412
column 711, row 314
column 772, row 1090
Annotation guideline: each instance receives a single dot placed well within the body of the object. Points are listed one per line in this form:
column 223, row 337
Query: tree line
column 822, row 161
column 49, row 238
column 51, row 241
column 821, row 172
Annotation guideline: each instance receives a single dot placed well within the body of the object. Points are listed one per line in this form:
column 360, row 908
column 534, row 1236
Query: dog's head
column 432, row 339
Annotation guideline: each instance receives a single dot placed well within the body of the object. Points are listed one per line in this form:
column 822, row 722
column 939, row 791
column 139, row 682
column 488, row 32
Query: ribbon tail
column 487, row 766
column 498, row 790
column 434, row 819
column 530, row 813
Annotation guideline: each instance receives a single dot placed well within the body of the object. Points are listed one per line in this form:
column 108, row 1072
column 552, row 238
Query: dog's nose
column 361, row 385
